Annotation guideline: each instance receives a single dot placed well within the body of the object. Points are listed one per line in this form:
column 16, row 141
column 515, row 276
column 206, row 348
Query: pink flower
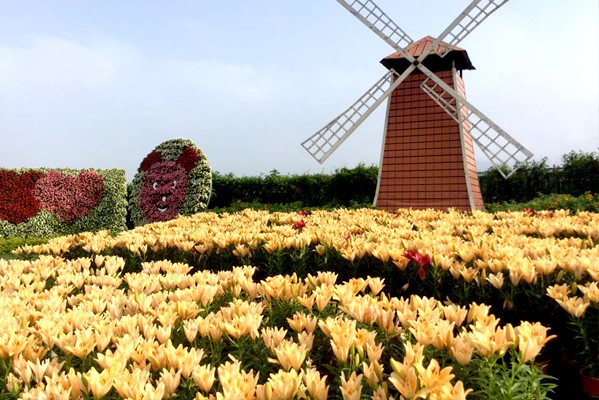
column 70, row 197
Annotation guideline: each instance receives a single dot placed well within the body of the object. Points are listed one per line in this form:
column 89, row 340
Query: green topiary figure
column 174, row 179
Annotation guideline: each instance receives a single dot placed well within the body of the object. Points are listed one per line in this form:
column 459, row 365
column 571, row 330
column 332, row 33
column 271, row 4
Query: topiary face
column 163, row 191
column 174, row 179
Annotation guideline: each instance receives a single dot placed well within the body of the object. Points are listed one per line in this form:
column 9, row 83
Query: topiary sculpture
column 174, row 179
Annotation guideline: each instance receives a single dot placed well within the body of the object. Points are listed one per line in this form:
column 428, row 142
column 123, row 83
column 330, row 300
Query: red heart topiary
column 17, row 202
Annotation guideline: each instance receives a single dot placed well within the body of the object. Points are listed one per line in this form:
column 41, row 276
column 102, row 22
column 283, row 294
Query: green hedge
column 108, row 212
column 345, row 187
column 578, row 174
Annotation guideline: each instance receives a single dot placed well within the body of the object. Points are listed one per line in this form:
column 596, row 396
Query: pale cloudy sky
column 101, row 83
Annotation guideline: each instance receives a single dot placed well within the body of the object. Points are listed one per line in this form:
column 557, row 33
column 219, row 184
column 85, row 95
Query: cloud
column 239, row 82
column 66, row 103
column 52, row 62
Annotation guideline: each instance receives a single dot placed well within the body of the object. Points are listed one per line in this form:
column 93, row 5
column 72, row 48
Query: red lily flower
column 422, row 260
column 299, row 225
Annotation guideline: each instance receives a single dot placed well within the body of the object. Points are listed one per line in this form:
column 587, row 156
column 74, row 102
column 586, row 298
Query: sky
column 99, row 84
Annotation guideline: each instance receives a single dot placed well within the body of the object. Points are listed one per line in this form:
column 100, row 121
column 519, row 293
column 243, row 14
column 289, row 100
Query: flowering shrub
column 173, row 179
column 493, row 252
column 17, row 202
column 70, row 198
column 299, row 225
column 44, row 202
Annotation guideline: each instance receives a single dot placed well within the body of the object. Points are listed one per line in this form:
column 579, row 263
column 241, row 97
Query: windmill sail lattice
column 324, row 142
column 376, row 19
column 468, row 20
column 495, row 143
column 501, row 149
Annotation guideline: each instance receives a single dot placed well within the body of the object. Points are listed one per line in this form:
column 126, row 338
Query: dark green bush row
column 578, row 174
column 346, row 187
column 585, row 202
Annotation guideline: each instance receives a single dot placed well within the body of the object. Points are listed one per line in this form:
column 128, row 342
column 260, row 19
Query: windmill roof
column 433, row 61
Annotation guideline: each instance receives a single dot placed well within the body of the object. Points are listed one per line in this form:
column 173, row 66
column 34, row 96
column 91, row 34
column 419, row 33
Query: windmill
column 427, row 156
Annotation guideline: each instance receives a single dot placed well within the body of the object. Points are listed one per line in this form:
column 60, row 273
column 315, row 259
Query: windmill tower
column 427, row 158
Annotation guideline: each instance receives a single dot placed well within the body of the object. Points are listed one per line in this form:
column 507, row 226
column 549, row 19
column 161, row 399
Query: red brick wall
column 423, row 165
column 477, row 198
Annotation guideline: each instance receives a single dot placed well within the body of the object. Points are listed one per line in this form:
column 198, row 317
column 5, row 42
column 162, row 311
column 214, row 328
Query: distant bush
column 346, row 186
column 356, row 186
column 527, row 182
column 585, row 202
column 580, row 172
column 9, row 244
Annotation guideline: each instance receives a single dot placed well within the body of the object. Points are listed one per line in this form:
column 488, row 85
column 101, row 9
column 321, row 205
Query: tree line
column 578, row 174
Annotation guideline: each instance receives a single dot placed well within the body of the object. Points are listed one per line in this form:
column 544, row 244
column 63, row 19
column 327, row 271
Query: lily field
column 341, row 304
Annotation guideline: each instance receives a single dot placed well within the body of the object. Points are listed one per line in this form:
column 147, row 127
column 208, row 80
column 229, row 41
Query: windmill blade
column 374, row 18
column 467, row 21
column 377, row 21
column 498, row 146
column 324, row 142
column 494, row 141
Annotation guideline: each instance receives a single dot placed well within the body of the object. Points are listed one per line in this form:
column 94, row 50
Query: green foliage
column 9, row 244
column 528, row 181
column 346, row 187
column 584, row 332
column 496, row 379
column 585, row 202
column 581, row 172
column 110, row 214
